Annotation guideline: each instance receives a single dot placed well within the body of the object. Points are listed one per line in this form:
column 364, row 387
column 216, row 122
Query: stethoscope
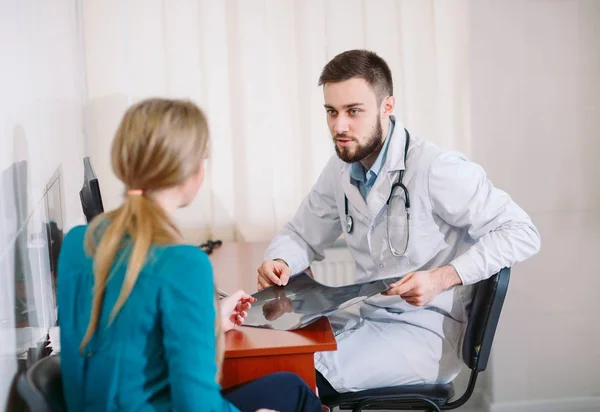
column 398, row 184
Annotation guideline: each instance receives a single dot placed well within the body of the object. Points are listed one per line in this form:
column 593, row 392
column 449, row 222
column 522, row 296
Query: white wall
column 535, row 109
column 41, row 83
column 253, row 66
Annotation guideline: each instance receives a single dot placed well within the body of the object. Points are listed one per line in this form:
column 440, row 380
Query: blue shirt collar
column 357, row 171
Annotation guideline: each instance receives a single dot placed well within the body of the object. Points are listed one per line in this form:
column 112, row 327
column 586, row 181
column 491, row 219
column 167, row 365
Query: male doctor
column 406, row 208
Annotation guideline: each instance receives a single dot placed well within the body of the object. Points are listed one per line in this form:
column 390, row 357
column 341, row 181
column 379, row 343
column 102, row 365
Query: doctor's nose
column 341, row 125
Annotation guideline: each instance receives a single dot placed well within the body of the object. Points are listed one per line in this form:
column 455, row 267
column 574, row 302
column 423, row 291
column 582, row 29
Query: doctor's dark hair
column 363, row 64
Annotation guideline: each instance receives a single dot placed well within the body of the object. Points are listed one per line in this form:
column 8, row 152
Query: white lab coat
column 457, row 217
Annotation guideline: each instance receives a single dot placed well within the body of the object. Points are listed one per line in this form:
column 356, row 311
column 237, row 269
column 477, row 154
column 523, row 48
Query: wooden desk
column 252, row 352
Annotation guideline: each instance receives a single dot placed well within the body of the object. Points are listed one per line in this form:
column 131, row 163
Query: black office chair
column 40, row 386
column 483, row 319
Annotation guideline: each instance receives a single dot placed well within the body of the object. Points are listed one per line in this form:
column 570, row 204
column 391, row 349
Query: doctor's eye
column 354, row 112
column 331, row 112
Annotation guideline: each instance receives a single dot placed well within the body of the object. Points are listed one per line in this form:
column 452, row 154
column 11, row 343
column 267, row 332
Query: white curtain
column 253, row 66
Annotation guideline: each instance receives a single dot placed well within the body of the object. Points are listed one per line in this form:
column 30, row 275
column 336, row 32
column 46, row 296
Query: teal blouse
column 158, row 353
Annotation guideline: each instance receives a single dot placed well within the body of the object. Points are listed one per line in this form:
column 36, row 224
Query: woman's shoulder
column 181, row 270
column 76, row 232
column 73, row 241
column 182, row 259
column 182, row 253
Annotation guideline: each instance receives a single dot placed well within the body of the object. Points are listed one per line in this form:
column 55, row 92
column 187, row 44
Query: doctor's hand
column 273, row 272
column 234, row 309
column 420, row 288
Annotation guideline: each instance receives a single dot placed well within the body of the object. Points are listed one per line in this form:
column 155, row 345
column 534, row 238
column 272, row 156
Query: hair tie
column 135, row 192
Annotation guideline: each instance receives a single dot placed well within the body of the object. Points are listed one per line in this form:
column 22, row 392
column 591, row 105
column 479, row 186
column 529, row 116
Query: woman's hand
column 266, row 410
column 234, row 309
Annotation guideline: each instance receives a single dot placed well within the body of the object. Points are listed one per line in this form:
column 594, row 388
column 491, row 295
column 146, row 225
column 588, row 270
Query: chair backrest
column 40, row 386
column 483, row 319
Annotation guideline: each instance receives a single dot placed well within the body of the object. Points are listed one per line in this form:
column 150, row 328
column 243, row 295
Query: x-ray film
column 304, row 300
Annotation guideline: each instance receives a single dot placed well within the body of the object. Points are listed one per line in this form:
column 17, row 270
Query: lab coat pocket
column 397, row 221
column 398, row 234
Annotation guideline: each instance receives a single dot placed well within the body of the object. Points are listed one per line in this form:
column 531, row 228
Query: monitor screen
column 91, row 199
column 54, row 222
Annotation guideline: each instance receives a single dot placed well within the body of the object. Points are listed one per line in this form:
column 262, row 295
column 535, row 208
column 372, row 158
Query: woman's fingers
column 243, row 307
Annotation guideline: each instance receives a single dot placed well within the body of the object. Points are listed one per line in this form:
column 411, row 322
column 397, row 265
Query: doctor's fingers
column 403, row 289
column 404, row 279
column 271, row 271
column 284, row 276
column 263, row 283
column 282, row 271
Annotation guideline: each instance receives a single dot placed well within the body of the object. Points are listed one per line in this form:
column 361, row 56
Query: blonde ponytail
column 144, row 222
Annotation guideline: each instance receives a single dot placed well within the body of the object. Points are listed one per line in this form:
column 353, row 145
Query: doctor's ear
column 387, row 106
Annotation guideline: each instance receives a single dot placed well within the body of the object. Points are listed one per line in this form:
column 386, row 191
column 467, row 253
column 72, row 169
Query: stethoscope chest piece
column 349, row 224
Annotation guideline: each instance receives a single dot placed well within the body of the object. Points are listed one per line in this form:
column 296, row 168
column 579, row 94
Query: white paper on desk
column 304, row 300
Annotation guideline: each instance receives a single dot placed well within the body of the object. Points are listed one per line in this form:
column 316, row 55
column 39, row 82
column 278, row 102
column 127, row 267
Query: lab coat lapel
column 378, row 196
column 394, row 162
column 354, row 197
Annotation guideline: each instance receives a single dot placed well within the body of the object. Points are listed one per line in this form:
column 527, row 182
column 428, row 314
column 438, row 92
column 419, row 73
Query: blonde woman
column 140, row 326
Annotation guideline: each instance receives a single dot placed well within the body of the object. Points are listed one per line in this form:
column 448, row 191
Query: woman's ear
column 201, row 170
column 191, row 186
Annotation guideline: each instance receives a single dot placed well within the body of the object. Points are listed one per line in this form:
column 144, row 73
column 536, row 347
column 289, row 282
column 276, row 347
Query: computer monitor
column 91, row 199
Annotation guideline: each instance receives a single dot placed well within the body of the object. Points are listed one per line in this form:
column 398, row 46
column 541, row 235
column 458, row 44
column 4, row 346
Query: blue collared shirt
column 364, row 181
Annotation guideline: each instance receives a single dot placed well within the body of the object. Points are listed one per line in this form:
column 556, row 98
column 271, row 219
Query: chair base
column 405, row 397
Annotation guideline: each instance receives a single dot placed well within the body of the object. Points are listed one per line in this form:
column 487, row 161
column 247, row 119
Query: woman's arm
column 187, row 304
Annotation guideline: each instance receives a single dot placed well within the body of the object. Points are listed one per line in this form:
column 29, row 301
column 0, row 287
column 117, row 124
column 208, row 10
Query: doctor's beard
column 373, row 144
